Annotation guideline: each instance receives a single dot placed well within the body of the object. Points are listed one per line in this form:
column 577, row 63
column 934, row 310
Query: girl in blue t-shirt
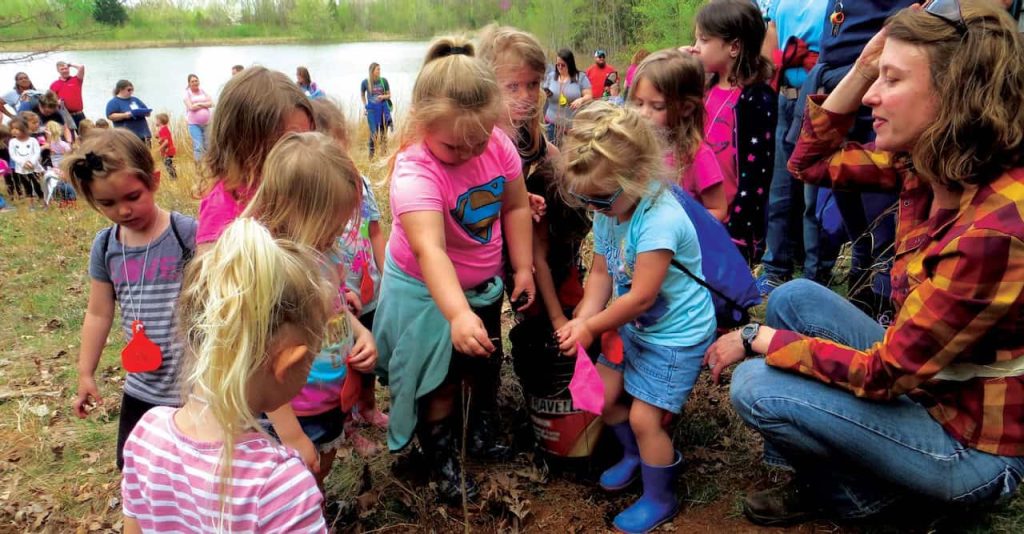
column 642, row 241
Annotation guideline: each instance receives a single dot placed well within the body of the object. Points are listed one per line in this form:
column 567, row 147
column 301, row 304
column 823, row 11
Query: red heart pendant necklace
column 140, row 355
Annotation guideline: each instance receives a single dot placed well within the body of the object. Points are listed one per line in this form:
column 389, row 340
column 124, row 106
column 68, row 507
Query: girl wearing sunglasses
column 613, row 164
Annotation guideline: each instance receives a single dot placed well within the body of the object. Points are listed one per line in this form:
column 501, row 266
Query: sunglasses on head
column 602, row 203
column 949, row 11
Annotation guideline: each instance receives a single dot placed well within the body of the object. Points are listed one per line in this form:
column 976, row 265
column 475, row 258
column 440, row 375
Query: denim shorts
column 325, row 430
column 659, row 375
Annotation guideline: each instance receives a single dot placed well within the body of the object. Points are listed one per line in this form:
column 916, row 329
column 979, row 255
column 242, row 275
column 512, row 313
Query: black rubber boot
column 482, row 438
column 442, row 459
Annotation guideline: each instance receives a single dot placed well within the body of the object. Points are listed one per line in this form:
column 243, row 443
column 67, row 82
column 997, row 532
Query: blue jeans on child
column 198, row 134
column 859, row 455
column 791, row 212
column 659, row 375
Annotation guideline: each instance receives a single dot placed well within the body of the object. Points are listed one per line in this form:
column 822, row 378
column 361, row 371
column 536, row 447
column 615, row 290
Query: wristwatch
column 747, row 334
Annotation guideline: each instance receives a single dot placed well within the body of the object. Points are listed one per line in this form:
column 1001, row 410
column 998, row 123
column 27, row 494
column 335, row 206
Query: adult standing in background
column 23, row 97
column 598, row 73
column 306, row 84
column 197, row 114
column 127, row 111
column 567, row 89
column 69, row 90
column 793, row 228
column 376, row 96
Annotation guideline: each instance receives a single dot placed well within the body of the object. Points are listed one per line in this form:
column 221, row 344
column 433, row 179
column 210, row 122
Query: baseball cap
column 599, row 52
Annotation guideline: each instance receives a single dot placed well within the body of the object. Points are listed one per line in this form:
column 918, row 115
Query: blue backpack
column 726, row 274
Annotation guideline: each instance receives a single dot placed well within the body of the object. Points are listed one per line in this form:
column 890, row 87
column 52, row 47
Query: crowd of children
column 255, row 333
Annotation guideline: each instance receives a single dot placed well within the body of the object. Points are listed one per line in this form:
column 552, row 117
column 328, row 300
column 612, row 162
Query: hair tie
column 84, row 167
column 458, row 50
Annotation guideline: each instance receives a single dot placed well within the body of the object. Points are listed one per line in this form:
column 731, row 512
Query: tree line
column 618, row 26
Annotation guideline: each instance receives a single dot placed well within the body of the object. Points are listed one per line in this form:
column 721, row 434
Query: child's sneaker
column 766, row 284
column 375, row 418
column 363, row 447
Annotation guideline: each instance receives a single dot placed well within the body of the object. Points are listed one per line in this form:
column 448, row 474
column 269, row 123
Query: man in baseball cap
column 599, row 71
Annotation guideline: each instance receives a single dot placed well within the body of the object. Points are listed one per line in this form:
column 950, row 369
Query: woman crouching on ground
column 930, row 411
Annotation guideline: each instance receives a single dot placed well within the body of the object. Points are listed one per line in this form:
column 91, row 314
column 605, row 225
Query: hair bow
column 84, row 167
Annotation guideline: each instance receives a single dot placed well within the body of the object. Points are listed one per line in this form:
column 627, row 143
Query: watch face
column 748, row 331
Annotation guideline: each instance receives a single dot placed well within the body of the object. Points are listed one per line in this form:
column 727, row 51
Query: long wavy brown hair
column 979, row 79
column 248, row 122
column 506, row 48
column 679, row 78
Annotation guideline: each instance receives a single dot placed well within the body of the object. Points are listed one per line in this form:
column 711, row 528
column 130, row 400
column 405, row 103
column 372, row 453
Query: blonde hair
column 248, row 122
column 331, row 120
column 84, row 127
column 506, row 48
column 309, row 182
column 54, row 131
column 455, row 87
column 610, row 147
column 105, row 153
column 235, row 299
column 679, row 78
column 978, row 78
column 162, row 119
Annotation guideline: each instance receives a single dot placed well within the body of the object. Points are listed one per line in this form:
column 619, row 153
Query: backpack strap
column 186, row 252
column 725, row 298
column 700, row 281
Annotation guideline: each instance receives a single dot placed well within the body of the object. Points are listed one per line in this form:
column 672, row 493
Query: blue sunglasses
column 949, row 11
column 598, row 203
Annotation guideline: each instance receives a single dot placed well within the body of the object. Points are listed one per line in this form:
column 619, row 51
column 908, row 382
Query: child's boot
column 622, row 474
column 443, row 462
column 658, row 503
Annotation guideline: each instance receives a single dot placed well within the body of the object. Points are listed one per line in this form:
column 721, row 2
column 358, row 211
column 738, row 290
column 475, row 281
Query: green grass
column 57, row 472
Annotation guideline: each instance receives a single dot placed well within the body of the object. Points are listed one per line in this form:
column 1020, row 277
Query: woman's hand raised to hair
column 867, row 63
column 469, row 335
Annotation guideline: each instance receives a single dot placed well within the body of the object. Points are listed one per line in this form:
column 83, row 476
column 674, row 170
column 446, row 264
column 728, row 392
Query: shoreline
column 45, row 47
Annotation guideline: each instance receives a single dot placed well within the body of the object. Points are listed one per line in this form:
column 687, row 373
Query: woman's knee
column 744, row 387
column 787, row 304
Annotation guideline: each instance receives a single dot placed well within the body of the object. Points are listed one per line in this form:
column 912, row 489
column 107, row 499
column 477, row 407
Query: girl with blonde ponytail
column 252, row 310
column 458, row 197
column 310, row 191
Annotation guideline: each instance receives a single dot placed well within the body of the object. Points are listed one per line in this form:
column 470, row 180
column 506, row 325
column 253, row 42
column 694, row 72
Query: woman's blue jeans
column 198, row 134
column 859, row 456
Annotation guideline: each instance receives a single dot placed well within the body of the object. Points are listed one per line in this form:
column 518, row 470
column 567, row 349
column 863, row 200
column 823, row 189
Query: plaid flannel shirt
column 958, row 286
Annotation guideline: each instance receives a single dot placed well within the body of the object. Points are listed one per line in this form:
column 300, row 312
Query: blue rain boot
column 658, row 503
column 621, row 475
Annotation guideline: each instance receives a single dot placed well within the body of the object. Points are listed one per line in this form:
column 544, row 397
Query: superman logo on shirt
column 477, row 209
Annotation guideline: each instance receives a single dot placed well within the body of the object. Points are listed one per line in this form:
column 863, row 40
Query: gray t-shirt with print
column 152, row 298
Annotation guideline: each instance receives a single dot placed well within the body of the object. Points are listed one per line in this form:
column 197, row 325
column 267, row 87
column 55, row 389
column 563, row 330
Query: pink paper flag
column 586, row 386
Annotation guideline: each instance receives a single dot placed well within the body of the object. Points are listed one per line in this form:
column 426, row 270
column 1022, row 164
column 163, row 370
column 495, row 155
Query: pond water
column 159, row 74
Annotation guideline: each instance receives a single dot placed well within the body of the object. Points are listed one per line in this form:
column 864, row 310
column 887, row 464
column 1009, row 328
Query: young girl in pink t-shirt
column 310, row 191
column 457, row 196
column 253, row 311
column 256, row 108
column 668, row 91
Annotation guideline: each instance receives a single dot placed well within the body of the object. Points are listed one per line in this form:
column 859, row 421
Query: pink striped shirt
column 170, row 483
